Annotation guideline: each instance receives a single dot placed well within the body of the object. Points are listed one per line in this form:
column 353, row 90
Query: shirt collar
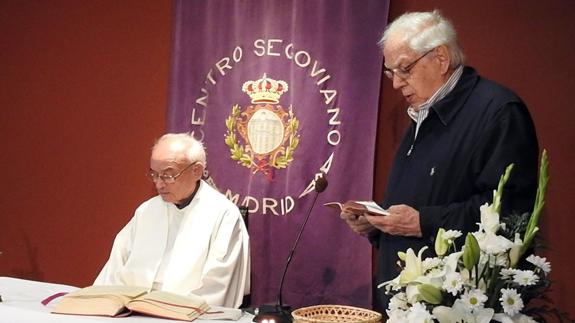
column 441, row 93
column 189, row 199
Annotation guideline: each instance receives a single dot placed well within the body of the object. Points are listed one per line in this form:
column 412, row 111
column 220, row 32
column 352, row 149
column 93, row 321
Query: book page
column 98, row 290
column 359, row 207
column 98, row 300
column 334, row 205
column 373, row 207
column 350, row 205
column 104, row 305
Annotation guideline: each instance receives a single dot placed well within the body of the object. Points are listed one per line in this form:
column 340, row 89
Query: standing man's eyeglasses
column 403, row 72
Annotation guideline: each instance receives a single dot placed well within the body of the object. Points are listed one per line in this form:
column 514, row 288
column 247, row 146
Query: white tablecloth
column 21, row 302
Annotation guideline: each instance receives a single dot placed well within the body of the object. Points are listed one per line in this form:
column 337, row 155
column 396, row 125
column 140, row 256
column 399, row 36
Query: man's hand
column 403, row 220
column 356, row 221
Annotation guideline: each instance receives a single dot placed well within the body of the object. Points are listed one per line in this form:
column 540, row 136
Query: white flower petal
column 511, row 301
column 540, row 262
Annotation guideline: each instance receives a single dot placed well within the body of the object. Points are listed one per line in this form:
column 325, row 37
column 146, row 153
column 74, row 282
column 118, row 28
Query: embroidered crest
column 268, row 133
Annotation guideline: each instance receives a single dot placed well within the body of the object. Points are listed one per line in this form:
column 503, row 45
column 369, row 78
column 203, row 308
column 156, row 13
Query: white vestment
column 210, row 254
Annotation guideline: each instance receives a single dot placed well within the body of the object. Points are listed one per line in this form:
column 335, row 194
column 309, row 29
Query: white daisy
column 511, row 301
column 396, row 316
column 419, row 314
column 507, row 273
column 435, row 272
column 451, row 235
column 474, row 299
column 430, row 263
column 525, row 278
column 502, row 260
column 541, row 263
column 398, row 302
column 453, row 282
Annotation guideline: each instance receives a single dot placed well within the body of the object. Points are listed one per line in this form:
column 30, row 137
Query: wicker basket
column 335, row 313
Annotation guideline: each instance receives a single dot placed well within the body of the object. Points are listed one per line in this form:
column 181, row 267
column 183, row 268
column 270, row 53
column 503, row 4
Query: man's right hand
column 356, row 222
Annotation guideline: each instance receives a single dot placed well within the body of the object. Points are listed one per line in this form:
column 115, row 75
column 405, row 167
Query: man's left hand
column 403, row 220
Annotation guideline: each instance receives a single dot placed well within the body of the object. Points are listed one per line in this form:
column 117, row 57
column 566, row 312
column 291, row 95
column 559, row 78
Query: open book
column 123, row 300
column 359, row 207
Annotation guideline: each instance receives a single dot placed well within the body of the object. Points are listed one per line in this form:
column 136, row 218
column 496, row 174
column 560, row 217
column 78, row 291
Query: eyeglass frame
column 154, row 176
column 403, row 72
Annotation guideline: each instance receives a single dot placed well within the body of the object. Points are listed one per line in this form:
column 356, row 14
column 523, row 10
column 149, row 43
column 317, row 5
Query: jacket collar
column 449, row 106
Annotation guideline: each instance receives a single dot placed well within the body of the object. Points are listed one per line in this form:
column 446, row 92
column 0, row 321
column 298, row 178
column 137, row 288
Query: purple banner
column 280, row 91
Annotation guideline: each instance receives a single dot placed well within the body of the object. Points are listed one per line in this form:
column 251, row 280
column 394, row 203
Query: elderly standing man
column 465, row 131
column 187, row 239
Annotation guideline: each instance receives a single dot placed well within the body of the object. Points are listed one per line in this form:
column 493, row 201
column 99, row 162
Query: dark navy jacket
column 461, row 151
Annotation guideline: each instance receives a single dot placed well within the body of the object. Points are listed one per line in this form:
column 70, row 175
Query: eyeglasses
column 404, row 72
column 166, row 178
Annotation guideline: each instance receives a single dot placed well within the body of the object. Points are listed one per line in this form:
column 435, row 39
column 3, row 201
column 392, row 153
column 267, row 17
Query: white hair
column 423, row 31
column 192, row 149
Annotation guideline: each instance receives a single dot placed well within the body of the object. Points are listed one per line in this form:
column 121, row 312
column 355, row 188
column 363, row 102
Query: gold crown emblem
column 265, row 90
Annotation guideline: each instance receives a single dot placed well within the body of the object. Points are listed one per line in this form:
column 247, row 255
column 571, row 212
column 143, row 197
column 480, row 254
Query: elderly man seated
column 187, row 239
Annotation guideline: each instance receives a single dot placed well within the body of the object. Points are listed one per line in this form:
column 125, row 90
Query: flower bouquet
column 494, row 276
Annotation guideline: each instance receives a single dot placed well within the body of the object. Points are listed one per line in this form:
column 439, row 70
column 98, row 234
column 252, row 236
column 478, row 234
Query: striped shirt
column 419, row 115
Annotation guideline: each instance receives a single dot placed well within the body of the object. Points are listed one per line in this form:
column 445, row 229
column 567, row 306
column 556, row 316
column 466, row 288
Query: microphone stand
column 282, row 313
column 289, row 258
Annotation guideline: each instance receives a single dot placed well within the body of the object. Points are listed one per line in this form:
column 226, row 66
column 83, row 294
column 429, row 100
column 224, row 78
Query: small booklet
column 118, row 301
column 222, row 313
column 360, row 207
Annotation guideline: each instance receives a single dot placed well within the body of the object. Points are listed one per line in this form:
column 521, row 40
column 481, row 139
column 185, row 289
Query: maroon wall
column 83, row 88
column 529, row 47
column 84, row 93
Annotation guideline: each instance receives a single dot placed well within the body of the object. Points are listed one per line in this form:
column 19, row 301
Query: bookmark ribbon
column 50, row 298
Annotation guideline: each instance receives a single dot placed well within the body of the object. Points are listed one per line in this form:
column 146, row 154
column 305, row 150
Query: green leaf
column 471, row 252
column 430, row 294
column 441, row 245
column 295, row 142
column 532, row 226
column 229, row 141
column 498, row 195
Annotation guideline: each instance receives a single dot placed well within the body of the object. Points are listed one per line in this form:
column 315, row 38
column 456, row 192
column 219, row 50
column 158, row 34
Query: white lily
column 491, row 243
column 412, row 293
column 489, row 218
column 515, row 252
column 451, row 261
column 459, row 312
column 486, row 259
column 413, row 266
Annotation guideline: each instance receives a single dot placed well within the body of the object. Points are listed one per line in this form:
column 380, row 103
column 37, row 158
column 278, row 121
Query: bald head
column 180, row 147
column 182, row 158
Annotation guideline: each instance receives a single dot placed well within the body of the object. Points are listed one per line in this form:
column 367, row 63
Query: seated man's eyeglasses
column 166, row 178
column 404, row 72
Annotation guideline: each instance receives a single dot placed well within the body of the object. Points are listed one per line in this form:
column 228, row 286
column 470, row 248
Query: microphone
column 280, row 313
